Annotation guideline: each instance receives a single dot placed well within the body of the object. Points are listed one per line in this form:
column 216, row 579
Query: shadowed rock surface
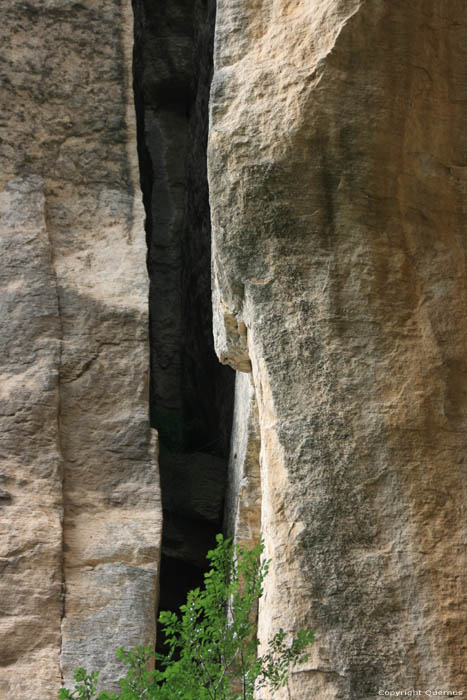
column 191, row 392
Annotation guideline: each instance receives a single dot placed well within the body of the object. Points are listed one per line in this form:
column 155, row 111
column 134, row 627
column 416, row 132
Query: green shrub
column 212, row 645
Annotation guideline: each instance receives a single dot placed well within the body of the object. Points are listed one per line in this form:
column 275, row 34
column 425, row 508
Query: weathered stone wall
column 337, row 188
column 81, row 516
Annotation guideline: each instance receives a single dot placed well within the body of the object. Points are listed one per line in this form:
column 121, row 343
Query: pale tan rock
column 81, row 516
column 337, row 189
column 243, row 497
column 30, row 459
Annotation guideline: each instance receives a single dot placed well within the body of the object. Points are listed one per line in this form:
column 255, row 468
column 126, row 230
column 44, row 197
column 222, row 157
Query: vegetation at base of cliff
column 212, row 645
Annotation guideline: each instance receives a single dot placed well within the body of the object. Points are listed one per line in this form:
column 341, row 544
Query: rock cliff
column 81, row 515
column 332, row 140
column 337, row 189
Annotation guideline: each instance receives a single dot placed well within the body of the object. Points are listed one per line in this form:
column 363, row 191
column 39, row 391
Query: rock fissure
column 191, row 394
column 59, row 428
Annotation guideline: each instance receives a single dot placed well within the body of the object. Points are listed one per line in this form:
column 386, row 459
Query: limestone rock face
column 337, row 187
column 31, row 464
column 79, row 498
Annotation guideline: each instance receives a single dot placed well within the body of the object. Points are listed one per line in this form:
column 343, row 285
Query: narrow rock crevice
column 191, row 393
column 59, row 447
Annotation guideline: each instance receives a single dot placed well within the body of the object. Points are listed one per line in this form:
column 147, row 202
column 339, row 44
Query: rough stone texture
column 337, row 188
column 30, row 459
column 81, row 515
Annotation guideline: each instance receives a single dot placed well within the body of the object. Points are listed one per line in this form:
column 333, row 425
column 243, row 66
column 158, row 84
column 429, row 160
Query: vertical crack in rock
column 191, row 392
column 30, row 460
column 55, row 286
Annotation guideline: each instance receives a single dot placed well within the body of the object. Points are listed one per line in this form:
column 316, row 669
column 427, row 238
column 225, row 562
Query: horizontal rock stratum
column 337, row 174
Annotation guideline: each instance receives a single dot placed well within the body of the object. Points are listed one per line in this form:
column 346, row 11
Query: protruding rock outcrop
column 81, row 515
column 337, row 189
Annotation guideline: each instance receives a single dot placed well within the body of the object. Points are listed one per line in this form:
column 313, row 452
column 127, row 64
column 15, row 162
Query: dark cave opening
column 191, row 393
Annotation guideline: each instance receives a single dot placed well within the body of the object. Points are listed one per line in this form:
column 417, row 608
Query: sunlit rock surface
column 337, row 165
column 79, row 498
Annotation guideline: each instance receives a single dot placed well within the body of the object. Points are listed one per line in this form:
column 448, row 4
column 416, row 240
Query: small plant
column 212, row 645
column 86, row 690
